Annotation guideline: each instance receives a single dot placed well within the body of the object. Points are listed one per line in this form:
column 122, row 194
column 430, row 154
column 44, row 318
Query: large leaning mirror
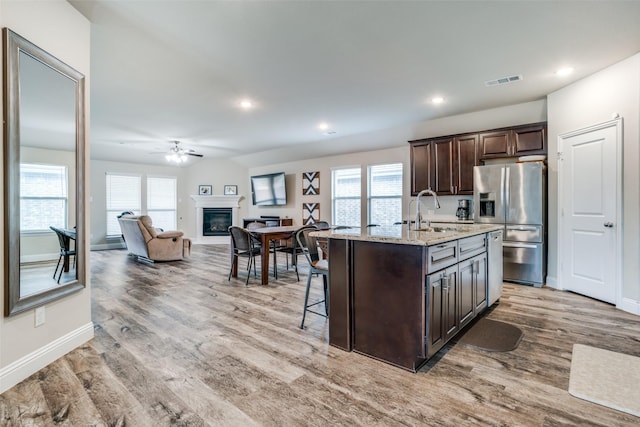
column 44, row 145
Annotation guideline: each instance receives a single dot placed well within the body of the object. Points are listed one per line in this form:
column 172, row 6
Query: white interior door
column 589, row 171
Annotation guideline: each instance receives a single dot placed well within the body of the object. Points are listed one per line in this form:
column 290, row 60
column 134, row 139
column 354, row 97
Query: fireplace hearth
column 216, row 221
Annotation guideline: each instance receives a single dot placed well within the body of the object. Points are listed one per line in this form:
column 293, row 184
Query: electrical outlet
column 39, row 316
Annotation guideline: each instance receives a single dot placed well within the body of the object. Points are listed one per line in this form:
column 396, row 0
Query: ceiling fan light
column 183, row 157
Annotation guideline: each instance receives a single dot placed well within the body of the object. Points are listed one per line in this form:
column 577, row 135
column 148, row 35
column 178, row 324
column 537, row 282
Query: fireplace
column 216, row 203
column 216, row 221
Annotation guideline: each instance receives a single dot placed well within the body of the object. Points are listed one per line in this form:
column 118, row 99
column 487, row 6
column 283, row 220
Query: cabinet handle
column 445, row 282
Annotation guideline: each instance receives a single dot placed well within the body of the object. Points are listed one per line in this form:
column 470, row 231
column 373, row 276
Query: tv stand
column 268, row 222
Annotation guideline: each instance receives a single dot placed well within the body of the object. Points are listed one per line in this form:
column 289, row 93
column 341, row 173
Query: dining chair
column 292, row 248
column 317, row 265
column 65, row 251
column 242, row 245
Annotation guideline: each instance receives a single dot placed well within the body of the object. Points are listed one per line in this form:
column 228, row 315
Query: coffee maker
column 464, row 209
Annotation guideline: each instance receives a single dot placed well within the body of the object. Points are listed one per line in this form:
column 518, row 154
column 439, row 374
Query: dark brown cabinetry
column 442, row 300
column 514, row 142
column 401, row 303
column 420, row 166
column 445, row 164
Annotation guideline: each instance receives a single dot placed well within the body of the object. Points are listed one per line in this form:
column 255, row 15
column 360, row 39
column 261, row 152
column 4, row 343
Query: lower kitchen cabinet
column 473, row 288
column 401, row 303
column 442, row 302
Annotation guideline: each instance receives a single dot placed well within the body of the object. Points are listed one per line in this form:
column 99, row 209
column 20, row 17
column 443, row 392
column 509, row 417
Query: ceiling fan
column 178, row 154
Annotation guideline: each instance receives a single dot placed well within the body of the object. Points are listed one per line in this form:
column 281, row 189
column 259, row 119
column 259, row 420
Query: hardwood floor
column 177, row 344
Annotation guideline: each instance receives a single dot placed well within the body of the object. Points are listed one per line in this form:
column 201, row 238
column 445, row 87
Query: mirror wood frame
column 13, row 44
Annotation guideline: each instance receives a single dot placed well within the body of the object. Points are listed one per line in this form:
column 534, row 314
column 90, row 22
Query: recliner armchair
column 144, row 241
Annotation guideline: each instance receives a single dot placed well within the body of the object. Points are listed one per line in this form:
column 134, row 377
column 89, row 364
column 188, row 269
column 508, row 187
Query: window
column 345, row 196
column 385, row 194
column 161, row 202
column 123, row 194
column 43, row 197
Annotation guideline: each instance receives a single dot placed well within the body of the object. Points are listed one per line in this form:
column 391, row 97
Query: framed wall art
column 310, row 183
column 310, row 213
column 205, row 190
column 230, row 190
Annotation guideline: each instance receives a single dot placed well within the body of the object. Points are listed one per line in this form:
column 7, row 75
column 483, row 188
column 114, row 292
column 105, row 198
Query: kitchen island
column 398, row 295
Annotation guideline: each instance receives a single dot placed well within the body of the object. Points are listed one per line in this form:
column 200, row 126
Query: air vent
column 503, row 80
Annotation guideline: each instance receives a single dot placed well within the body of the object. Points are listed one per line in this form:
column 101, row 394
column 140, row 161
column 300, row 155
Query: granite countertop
column 401, row 234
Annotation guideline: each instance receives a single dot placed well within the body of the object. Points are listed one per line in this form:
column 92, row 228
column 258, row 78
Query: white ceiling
column 177, row 70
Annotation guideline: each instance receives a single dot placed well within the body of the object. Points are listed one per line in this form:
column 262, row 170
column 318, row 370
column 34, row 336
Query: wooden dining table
column 266, row 235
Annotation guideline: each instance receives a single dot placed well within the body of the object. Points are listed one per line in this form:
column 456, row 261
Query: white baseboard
column 40, row 257
column 552, row 282
column 108, row 246
column 26, row 366
column 630, row 306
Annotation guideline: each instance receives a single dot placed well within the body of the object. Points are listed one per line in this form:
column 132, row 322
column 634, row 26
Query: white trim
column 552, row 282
column 214, row 201
column 26, row 366
column 40, row 257
column 630, row 306
column 618, row 124
column 108, row 246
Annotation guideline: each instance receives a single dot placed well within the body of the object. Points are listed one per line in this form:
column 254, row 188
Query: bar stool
column 309, row 247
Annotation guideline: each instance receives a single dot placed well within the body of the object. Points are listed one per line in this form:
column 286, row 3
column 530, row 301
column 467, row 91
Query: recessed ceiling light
column 437, row 100
column 246, row 104
column 323, row 126
column 564, row 71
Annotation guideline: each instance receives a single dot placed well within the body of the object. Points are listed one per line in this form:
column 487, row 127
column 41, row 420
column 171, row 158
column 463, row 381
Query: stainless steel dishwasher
column 494, row 255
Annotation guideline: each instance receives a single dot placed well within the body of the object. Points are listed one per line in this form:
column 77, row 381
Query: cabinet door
column 495, row 144
column 435, row 329
column 420, row 166
column 466, row 159
column 443, row 161
column 530, row 140
column 450, row 304
column 467, row 304
column 480, row 273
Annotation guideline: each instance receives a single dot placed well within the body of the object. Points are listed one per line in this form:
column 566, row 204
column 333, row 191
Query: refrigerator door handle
column 522, row 228
column 518, row 245
column 507, row 191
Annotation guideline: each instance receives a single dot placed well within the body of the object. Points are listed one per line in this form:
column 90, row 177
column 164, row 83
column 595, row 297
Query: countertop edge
column 408, row 237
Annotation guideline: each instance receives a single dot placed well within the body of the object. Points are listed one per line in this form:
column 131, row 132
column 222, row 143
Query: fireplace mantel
column 202, row 202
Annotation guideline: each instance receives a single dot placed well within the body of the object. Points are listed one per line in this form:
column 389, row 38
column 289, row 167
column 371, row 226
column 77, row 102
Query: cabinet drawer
column 471, row 246
column 442, row 255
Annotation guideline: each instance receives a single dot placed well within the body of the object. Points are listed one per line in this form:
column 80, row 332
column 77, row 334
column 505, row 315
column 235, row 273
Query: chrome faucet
column 436, row 204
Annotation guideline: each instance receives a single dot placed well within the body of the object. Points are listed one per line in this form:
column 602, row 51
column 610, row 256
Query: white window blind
column 162, row 202
column 123, row 194
column 385, row 194
column 345, row 196
column 43, row 197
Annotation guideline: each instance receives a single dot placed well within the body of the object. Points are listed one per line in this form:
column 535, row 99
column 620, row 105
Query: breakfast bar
column 398, row 294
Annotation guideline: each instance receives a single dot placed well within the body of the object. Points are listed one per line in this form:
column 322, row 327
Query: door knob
column 608, row 224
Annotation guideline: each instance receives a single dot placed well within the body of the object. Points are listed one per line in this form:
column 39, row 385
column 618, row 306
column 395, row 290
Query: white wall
column 593, row 100
column 531, row 112
column 58, row 28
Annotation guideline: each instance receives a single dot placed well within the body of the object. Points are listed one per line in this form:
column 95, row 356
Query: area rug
column 492, row 335
column 605, row 377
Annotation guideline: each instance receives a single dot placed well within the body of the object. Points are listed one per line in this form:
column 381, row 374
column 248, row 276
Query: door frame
column 617, row 123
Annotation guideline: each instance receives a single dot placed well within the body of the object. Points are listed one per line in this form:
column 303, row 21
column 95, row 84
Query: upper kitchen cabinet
column 420, row 166
column 514, row 142
column 444, row 164
column 453, row 162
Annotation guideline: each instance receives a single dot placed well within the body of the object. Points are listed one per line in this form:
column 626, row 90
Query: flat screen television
column 269, row 189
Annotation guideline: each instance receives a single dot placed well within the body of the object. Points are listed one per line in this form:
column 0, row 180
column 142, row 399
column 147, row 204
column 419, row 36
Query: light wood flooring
column 176, row 344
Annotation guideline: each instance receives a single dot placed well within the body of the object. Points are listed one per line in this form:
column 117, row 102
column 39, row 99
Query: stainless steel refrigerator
column 514, row 195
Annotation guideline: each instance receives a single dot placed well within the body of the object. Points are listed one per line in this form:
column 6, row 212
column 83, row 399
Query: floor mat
column 605, row 377
column 492, row 335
